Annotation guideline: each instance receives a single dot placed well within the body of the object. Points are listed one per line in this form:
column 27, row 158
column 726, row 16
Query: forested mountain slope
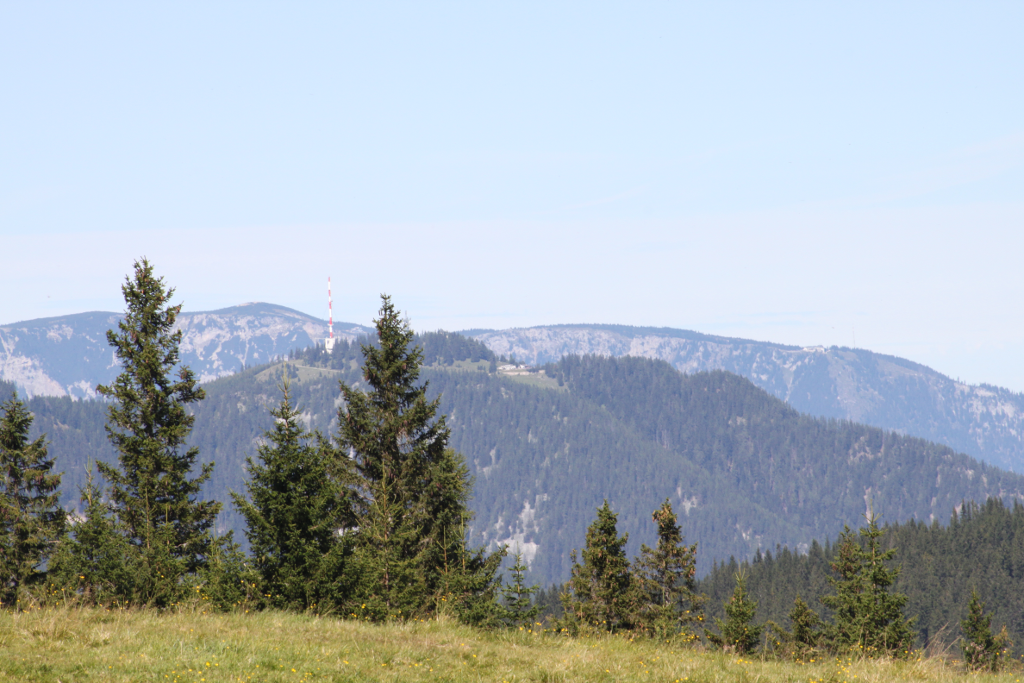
column 69, row 355
column 744, row 470
column 981, row 548
column 853, row 384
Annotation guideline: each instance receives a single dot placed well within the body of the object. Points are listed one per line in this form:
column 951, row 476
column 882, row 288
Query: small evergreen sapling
column 738, row 632
column 806, row 625
column 93, row 559
column 668, row 603
column 295, row 507
column 868, row 618
column 806, row 633
column 520, row 609
column 229, row 581
column 600, row 591
column 31, row 519
column 981, row 649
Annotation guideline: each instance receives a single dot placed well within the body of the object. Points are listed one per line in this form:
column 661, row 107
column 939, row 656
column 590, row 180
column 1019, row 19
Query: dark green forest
column 981, row 549
column 744, row 470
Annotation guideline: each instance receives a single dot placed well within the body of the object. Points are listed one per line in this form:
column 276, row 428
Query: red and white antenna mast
column 329, row 342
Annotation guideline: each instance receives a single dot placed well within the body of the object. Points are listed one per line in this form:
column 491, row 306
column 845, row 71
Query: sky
column 803, row 173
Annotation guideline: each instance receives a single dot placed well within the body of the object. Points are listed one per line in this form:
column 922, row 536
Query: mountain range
column 69, row 356
column 838, row 382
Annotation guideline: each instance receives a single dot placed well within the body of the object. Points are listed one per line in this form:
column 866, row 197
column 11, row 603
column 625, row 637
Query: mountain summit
column 69, row 355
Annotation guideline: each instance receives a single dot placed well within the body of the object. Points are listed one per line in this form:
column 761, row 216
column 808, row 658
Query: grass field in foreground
column 69, row 645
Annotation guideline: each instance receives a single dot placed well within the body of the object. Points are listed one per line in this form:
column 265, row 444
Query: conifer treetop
column 150, row 405
column 411, row 490
column 153, row 492
column 393, row 369
column 395, row 431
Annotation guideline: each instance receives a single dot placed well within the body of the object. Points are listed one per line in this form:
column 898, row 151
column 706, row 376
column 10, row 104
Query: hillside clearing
column 85, row 644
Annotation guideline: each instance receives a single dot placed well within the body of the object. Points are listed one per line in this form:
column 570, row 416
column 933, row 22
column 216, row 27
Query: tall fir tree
column 153, row 491
column 296, row 506
column 666, row 581
column 600, row 591
column 412, row 491
column 31, row 519
column 868, row 617
column 738, row 633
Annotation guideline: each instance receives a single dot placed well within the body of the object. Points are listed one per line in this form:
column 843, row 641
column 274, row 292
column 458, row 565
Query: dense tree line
column 740, row 466
column 861, row 611
column 656, row 595
column 981, row 550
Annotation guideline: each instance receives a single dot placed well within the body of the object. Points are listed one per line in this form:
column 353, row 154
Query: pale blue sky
column 807, row 173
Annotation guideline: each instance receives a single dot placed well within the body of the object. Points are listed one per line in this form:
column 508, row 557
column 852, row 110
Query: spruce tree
column 738, row 633
column 520, row 609
column 981, row 649
column 93, row 560
column 600, row 591
column 228, row 580
column 153, row 493
column 868, row 618
column 295, row 509
column 806, row 626
column 412, row 491
column 806, row 632
column 31, row 519
column 666, row 578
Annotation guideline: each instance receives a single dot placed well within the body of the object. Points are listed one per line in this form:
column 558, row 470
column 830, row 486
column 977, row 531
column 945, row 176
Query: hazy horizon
column 796, row 173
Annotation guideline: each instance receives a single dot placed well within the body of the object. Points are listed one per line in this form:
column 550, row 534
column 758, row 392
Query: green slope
column 744, row 470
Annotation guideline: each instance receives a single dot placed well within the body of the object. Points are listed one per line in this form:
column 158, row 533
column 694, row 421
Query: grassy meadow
column 88, row 644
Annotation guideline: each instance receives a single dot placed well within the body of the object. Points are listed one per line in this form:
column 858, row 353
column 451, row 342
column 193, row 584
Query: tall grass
column 91, row 644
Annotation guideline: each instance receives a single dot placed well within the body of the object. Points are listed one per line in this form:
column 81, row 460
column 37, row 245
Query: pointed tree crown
column 153, row 490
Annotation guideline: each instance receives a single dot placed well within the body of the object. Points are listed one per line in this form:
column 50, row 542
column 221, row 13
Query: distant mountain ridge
column 69, row 355
column 851, row 384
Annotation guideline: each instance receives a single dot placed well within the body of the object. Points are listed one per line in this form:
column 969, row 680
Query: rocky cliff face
column 851, row 384
column 69, row 355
